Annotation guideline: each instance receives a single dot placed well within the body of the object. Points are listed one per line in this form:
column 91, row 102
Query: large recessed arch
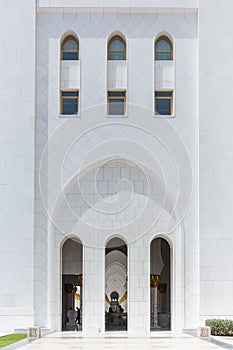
column 104, row 240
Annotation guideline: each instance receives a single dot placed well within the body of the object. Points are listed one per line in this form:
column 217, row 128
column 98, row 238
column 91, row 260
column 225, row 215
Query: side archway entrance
column 72, row 291
column 160, row 285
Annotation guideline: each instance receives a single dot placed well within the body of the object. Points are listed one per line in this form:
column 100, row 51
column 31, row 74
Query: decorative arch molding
column 166, row 34
column 73, row 236
column 71, row 182
column 68, row 33
column 115, row 235
column 117, row 33
column 113, row 270
column 165, row 236
column 116, row 257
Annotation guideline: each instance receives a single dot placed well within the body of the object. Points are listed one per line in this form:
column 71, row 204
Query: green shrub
column 220, row 327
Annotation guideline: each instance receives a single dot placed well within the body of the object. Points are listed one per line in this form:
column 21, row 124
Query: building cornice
column 118, row 6
column 117, row 10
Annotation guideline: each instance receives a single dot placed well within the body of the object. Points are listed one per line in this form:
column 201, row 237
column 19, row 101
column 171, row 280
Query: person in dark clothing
column 115, row 307
column 77, row 320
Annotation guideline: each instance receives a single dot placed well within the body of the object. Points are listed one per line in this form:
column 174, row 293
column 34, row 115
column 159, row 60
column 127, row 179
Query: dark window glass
column 70, row 102
column 70, row 106
column 116, row 93
column 163, row 93
column 116, row 49
column 117, row 44
column 163, row 45
column 116, row 106
column 70, row 44
column 114, row 56
column 70, row 49
column 72, row 56
column 163, row 49
column 70, row 93
column 116, row 103
column 163, row 56
column 163, row 103
column 163, row 106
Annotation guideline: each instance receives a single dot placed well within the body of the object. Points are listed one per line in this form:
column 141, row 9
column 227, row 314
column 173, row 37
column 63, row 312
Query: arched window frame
column 70, row 36
column 117, row 36
column 163, row 37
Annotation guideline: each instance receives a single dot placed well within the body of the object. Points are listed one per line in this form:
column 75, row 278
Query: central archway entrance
column 116, row 285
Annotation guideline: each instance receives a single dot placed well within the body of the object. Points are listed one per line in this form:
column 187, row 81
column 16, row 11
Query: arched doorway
column 72, row 269
column 160, row 285
column 116, row 285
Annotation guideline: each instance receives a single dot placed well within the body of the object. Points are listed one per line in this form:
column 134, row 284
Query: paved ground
column 114, row 341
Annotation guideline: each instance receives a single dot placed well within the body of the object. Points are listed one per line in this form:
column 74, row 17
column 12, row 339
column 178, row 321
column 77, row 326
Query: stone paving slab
column 72, row 340
column 16, row 345
column 225, row 342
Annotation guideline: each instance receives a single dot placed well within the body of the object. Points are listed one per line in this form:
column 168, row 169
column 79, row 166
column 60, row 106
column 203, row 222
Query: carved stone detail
column 34, row 332
column 203, row 332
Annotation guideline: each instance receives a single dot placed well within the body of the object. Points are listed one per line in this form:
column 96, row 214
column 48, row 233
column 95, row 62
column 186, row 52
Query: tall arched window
column 117, row 48
column 70, row 48
column 163, row 49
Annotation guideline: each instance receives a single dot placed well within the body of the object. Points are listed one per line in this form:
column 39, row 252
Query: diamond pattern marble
column 121, row 341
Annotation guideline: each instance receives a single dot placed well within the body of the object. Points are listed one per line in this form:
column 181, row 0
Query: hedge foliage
column 220, row 327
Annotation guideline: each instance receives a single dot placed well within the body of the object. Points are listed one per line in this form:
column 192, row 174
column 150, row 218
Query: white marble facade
column 93, row 177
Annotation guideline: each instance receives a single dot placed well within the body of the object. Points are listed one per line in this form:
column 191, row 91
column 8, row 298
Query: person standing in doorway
column 77, row 320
